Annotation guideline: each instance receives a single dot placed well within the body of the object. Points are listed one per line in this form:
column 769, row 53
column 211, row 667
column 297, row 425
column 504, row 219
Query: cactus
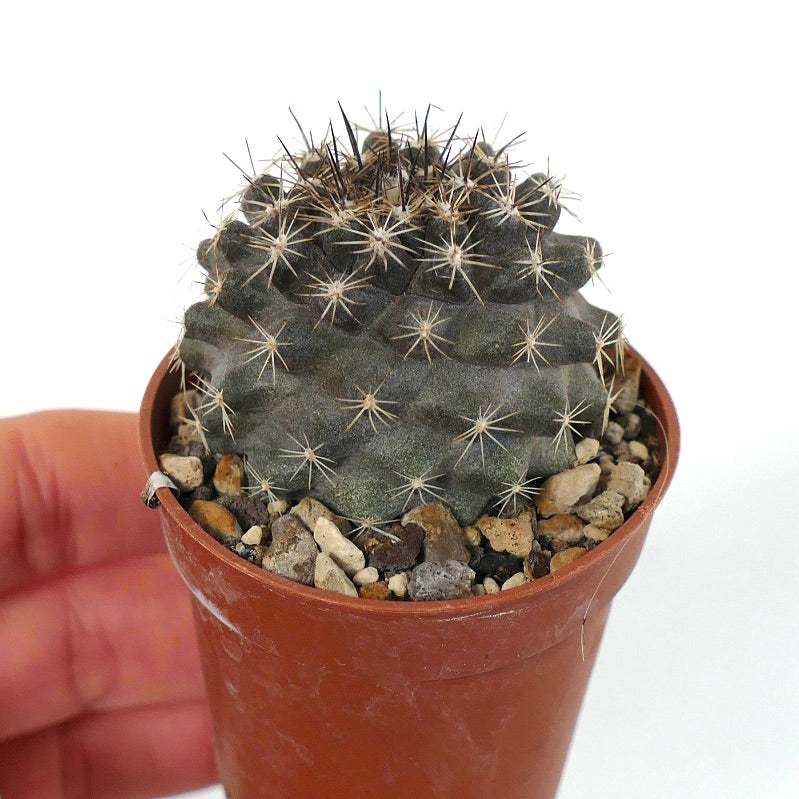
column 397, row 322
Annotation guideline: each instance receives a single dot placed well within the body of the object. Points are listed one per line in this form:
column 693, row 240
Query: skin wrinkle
column 28, row 490
column 56, row 466
column 90, row 659
column 40, row 510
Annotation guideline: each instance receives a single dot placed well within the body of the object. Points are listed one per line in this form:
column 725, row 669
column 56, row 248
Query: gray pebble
column 329, row 577
column 614, row 434
column 629, row 480
column 632, row 425
column 293, row 551
column 604, row 511
column 443, row 539
column 435, row 580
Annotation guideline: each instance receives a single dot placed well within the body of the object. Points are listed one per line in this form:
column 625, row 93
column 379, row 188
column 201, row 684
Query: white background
column 675, row 122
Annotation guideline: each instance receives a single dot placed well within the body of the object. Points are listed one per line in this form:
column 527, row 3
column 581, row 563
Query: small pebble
column 293, row 551
column 366, row 576
column 509, row 535
column 436, row 580
column 185, row 471
column 604, row 511
column 329, row 577
column 491, row 585
column 215, row 519
column 398, row 552
column 443, row 539
column 595, row 534
column 398, row 584
column 253, row 536
column 566, row 557
column 228, row 475
column 377, row 590
column 638, row 451
column 181, row 406
column 514, row 581
column 537, row 562
column 254, row 554
column 277, row 507
column 249, row 510
column 330, row 540
column 565, row 527
column 629, row 480
column 472, row 536
column 614, row 434
column 586, row 450
column 632, row 425
column 308, row 510
column 563, row 491
column 622, row 452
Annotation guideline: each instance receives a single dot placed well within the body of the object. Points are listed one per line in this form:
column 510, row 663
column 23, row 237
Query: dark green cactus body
column 382, row 333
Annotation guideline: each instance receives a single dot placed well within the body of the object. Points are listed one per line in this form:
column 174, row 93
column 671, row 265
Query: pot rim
column 669, row 436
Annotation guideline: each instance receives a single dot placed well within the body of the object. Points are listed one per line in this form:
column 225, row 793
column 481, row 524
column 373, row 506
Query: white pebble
column 185, row 470
column 398, row 584
column 491, row 585
column 472, row 536
column 343, row 552
column 277, row 507
column 329, row 577
column 514, row 581
column 638, row 450
column 253, row 536
column 586, row 450
column 366, row 576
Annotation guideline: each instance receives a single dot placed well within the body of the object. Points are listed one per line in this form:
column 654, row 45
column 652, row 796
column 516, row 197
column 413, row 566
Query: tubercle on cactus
column 397, row 322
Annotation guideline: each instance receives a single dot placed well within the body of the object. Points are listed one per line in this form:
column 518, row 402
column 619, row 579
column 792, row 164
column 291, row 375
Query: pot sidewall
column 314, row 694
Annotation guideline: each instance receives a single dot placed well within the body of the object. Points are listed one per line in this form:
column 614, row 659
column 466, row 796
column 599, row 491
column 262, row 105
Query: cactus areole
column 396, row 321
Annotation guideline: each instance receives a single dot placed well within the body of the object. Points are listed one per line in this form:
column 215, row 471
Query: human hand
column 101, row 693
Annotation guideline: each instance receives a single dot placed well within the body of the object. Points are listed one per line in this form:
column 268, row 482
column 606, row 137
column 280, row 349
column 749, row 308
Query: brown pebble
column 396, row 553
column 536, row 564
column 509, row 535
column 443, row 539
column 563, row 491
column 309, row 509
column 378, row 590
column 629, row 386
column 215, row 519
column 564, row 527
column 228, row 475
column 181, row 406
column 564, row 558
column 595, row 534
column 249, row 510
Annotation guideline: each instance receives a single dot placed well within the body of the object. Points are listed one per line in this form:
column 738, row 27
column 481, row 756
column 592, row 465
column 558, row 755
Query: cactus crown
column 396, row 321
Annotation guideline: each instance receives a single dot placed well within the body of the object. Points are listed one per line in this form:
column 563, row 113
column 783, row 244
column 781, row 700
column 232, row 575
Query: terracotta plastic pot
column 314, row 694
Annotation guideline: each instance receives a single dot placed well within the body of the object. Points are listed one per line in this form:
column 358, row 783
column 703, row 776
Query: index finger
column 69, row 494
